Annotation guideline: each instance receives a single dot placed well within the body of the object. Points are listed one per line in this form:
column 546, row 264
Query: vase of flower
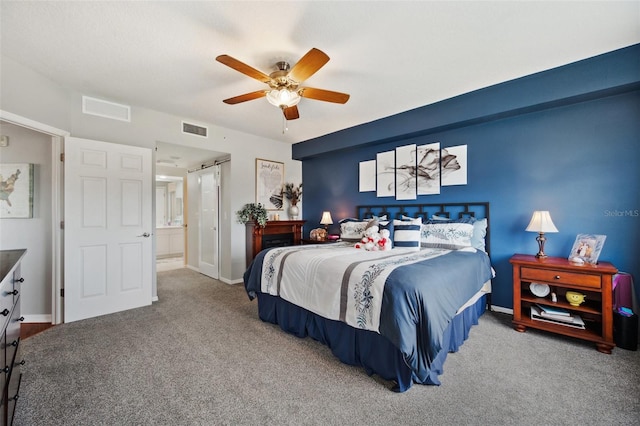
column 292, row 193
column 294, row 211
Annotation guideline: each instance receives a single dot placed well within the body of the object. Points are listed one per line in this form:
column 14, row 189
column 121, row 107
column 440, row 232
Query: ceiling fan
column 284, row 83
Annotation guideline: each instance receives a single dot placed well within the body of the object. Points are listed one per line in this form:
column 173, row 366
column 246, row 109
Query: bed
column 397, row 313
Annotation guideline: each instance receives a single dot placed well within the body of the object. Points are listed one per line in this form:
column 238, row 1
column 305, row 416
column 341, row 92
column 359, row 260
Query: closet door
column 209, row 216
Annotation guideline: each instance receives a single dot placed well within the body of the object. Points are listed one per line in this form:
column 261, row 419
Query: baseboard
column 223, row 279
column 42, row 318
column 501, row 310
column 231, row 282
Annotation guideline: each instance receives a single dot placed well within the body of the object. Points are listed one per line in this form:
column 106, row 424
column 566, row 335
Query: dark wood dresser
column 10, row 357
column 276, row 233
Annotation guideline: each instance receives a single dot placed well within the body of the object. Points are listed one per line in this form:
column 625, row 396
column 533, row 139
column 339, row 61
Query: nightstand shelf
column 587, row 307
column 560, row 275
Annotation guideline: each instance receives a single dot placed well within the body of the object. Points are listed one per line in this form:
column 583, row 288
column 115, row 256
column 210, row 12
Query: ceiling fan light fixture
column 285, row 82
column 283, row 98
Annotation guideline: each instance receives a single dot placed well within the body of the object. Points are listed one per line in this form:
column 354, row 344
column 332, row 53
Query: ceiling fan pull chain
column 284, row 124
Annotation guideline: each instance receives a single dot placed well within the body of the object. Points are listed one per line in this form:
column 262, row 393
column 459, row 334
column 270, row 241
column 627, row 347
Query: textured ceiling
column 390, row 56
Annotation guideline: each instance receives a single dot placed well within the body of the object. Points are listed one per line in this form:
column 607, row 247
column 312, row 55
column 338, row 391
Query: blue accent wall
column 533, row 144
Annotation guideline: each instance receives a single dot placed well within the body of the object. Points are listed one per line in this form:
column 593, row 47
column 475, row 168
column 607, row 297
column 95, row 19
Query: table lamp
column 541, row 222
column 326, row 220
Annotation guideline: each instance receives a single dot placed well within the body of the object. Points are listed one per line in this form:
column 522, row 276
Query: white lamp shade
column 283, row 98
column 326, row 219
column 541, row 222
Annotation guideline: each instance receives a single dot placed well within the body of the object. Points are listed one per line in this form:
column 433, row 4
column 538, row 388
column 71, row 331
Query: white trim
column 193, row 268
column 230, row 282
column 501, row 310
column 224, row 280
column 30, row 124
column 57, row 208
column 57, row 238
column 31, row 319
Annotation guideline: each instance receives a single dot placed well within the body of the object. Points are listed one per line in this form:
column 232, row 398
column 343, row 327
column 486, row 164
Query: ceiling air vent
column 106, row 109
column 194, row 129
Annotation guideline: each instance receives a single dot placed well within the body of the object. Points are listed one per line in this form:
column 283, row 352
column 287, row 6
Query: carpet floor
column 201, row 356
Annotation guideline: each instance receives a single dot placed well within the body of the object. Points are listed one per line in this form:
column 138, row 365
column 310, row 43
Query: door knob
column 145, row 234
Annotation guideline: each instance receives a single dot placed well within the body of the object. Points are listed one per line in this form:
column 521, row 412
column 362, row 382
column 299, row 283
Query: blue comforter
column 419, row 301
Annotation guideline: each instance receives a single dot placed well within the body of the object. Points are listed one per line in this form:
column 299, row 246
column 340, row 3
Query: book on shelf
column 571, row 321
column 552, row 310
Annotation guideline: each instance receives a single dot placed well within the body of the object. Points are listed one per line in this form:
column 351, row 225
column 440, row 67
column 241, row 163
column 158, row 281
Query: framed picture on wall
column 386, row 174
column 587, row 248
column 428, row 170
column 367, row 176
column 453, row 165
column 16, row 191
column 406, row 172
column 269, row 181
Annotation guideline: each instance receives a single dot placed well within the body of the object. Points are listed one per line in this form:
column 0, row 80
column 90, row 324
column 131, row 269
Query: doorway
column 169, row 227
column 198, row 214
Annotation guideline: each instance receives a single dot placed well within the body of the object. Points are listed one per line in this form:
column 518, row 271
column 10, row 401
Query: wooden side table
column 561, row 276
column 310, row 241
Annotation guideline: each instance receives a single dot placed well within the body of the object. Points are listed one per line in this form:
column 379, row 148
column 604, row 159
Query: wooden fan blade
column 246, row 97
column 243, row 68
column 323, row 95
column 291, row 113
column 308, row 65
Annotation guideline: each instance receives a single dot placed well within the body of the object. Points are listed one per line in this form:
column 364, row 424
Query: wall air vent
column 194, row 129
column 106, row 109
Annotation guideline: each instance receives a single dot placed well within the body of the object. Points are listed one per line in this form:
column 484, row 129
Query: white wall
column 30, row 95
column 148, row 126
column 28, row 146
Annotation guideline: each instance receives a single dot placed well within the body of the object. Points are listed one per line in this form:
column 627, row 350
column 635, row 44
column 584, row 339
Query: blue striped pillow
column 406, row 233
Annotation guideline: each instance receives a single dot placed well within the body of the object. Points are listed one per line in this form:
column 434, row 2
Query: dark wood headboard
column 479, row 210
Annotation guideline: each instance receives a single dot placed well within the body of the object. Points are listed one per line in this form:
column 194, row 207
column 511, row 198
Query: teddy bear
column 374, row 239
column 370, row 239
column 384, row 243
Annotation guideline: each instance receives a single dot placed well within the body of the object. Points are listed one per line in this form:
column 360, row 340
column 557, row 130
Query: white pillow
column 479, row 234
column 479, row 229
column 406, row 233
column 352, row 230
column 450, row 235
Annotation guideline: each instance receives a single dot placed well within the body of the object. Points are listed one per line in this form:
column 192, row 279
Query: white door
column 209, row 186
column 108, row 251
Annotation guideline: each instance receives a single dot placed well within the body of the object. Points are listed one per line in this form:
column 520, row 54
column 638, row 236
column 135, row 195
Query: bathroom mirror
column 169, row 201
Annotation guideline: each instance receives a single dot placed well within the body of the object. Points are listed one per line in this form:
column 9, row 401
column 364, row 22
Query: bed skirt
column 364, row 348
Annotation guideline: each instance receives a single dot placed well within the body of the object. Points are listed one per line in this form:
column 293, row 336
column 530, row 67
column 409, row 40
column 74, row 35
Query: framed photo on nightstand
column 587, row 248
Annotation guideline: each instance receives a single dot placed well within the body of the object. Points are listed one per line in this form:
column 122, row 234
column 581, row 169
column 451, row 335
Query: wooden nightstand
column 310, row 241
column 561, row 276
